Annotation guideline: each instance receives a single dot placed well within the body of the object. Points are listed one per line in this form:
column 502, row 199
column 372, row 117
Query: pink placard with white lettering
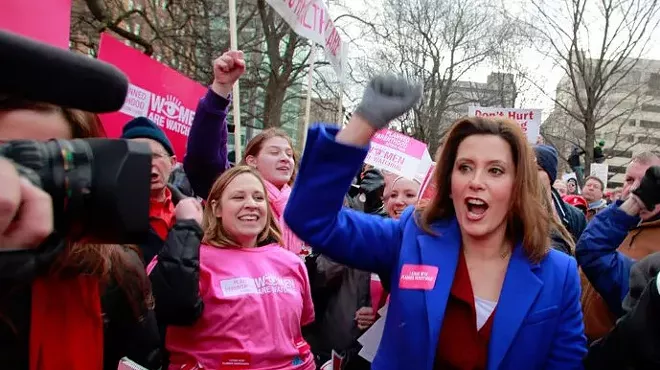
column 397, row 153
column 400, row 142
column 418, row 277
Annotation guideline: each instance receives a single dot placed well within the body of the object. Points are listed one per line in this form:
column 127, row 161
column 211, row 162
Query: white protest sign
column 399, row 154
column 370, row 340
column 600, row 170
column 528, row 119
column 311, row 19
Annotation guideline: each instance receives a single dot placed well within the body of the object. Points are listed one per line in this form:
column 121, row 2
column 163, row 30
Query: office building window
column 619, row 153
column 651, row 108
column 654, row 81
column 649, row 124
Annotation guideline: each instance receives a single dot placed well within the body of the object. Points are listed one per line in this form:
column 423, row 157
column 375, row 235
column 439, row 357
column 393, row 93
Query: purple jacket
column 206, row 153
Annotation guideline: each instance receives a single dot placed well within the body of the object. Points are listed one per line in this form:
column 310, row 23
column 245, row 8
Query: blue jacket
column 607, row 269
column 538, row 321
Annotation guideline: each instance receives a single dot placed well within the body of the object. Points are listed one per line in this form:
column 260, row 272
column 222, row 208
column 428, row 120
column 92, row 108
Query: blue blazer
column 538, row 321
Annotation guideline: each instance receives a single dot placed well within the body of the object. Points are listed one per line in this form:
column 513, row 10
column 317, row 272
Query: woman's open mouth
column 476, row 208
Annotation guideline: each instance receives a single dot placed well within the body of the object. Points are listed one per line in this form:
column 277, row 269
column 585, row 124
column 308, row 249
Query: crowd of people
column 287, row 259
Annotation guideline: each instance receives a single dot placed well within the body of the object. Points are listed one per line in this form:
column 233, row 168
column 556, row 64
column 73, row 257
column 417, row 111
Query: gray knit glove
column 386, row 98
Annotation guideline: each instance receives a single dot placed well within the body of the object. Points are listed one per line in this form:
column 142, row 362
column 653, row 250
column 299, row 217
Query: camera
column 100, row 187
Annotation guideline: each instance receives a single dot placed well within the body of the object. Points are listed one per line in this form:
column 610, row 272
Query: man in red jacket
column 161, row 211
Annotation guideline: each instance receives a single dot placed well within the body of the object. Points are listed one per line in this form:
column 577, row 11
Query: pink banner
column 48, row 21
column 156, row 91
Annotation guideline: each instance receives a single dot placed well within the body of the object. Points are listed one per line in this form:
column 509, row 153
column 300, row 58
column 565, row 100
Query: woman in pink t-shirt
column 239, row 301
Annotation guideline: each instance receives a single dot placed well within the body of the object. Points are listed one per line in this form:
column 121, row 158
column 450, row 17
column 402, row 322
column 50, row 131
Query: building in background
column 499, row 90
column 630, row 123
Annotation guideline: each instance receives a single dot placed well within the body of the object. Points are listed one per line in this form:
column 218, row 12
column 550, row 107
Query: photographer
column 41, row 286
column 64, row 304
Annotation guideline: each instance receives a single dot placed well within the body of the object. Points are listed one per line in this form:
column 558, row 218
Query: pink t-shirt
column 255, row 302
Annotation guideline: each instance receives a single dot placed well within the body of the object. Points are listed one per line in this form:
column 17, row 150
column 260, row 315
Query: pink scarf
column 278, row 199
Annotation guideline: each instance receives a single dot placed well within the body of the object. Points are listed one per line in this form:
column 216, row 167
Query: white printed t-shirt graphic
column 267, row 284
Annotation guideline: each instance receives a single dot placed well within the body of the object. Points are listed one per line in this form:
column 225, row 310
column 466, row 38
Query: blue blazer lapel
column 519, row 291
column 441, row 251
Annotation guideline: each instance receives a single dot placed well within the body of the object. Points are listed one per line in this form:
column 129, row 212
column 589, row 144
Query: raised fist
column 226, row 71
column 648, row 190
column 371, row 190
column 189, row 209
column 386, row 98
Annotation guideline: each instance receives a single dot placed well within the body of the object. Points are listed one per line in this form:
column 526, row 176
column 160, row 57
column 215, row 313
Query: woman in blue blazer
column 474, row 284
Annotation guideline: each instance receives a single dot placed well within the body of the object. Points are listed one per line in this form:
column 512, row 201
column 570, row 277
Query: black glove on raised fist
column 386, row 98
column 649, row 188
column 372, row 186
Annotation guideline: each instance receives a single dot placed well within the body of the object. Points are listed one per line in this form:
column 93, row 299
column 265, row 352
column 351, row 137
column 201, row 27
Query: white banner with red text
column 528, row 119
column 311, row 20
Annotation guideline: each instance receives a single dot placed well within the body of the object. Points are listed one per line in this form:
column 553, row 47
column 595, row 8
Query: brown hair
column 120, row 264
column 602, row 185
column 214, row 233
column 255, row 145
column 111, row 263
column 526, row 219
column 82, row 124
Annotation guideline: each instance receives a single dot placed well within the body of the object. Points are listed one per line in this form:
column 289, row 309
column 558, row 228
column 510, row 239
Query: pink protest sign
column 396, row 153
column 47, row 21
column 156, row 91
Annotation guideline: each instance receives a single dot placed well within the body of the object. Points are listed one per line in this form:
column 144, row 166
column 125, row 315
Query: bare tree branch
column 598, row 44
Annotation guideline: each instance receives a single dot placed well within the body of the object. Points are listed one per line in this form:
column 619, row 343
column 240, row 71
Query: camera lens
column 62, row 168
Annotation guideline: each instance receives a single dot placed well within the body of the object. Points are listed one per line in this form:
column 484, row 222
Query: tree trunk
column 273, row 103
column 589, row 140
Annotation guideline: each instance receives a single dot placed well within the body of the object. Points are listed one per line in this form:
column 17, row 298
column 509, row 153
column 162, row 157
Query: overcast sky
column 548, row 75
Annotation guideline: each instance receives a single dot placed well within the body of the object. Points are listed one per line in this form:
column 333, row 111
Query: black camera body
column 100, row 187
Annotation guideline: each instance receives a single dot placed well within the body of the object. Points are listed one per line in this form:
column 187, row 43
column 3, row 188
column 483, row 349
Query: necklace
column 502, row 254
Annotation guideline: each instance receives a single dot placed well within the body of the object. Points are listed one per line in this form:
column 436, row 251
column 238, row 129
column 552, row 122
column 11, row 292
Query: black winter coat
column 150, row 248
column 634, row 343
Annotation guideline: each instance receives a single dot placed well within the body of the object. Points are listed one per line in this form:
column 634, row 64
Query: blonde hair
column 214, row 233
